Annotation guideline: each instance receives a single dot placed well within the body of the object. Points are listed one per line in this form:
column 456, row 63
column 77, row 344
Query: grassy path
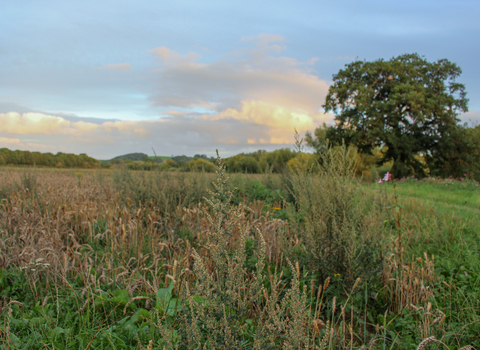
column 459, row 199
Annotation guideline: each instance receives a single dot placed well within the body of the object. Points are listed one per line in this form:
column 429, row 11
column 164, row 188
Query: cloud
column 248, row 99
column 85, row 126
column 255, row 73
column 262, row 113
column 8, row 141
column 254, row 125
column 140, row 129
column 31, row 123
column 124, row 67
column 278, row 121
column 171, row 57
column 264, row 94
column 175, row 113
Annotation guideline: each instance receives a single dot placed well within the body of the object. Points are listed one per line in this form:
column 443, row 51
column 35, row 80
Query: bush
column 248, row 165
column 199, row 164
column 337, row 238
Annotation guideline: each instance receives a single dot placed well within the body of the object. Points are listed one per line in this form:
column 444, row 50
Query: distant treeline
column 252, row 163
column 135, row 157
column 59, row 160
column 261, row 161
column 199, row 162
column 130, row 156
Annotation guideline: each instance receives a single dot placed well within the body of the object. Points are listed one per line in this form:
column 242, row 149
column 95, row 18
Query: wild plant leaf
column 143, row 314
column 121, row 297
column 164, row 295
column 101, row 300
column 59, row 330
column 173, row 306
column 198, row 299
column 130, row 322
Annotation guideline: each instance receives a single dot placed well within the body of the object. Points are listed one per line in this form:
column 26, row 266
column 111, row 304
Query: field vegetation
column 309, row 258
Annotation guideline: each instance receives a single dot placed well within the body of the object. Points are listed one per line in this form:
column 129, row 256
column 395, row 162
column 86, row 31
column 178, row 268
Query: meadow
column 120, row 259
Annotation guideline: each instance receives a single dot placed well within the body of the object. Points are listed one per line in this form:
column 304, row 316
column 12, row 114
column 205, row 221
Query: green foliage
column 440, row 217
column 406, row 104
column 200, row 164
column 277, row 160
column 260, row 161
column 337, row 237
column 130, row 156
column 183, row 158
column 47, row 159
column 159, row 159
column 146, row 164
column 169, row 164
column 457, row 155
column 243, row 164
column 256, row 190
column 318, row 141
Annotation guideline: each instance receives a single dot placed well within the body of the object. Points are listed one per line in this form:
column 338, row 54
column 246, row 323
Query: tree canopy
column 59, row 160
column 407, row 106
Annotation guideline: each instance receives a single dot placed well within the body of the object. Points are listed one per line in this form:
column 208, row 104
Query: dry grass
column 410, row 283
column 61, row 227
column 66, row 227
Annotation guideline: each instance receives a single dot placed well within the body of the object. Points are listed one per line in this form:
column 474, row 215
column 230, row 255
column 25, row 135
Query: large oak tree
column 407, row 105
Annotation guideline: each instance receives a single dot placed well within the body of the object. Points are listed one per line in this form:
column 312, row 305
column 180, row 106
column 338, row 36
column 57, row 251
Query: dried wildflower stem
column 425, row 342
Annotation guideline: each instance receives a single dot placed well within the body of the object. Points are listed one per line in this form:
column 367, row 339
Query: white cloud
column 31, row 123
column 85, row 126
column 279, row 122
column 262, row 113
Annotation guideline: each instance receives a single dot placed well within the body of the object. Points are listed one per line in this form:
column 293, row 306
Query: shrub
column 335, row 231
column 248, row 165
column 199, row 164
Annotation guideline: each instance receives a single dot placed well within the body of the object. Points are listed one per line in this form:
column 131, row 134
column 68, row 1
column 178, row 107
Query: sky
column 108, row 78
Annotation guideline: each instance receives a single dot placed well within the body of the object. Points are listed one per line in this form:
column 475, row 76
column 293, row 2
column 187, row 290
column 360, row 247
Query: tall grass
column 228, row 306
column 165, row 190
column 99, row 262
